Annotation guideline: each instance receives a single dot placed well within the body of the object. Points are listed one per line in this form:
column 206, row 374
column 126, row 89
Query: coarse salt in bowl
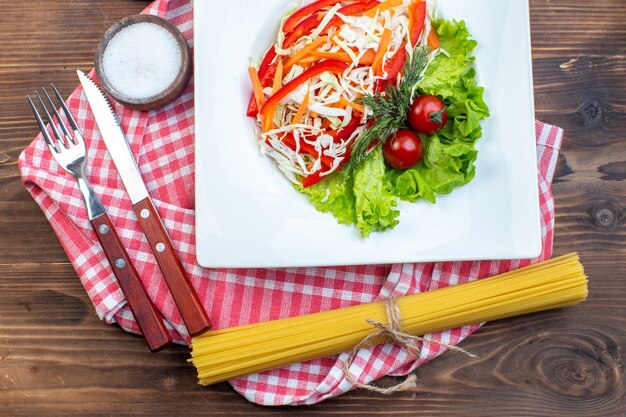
column 143, row 62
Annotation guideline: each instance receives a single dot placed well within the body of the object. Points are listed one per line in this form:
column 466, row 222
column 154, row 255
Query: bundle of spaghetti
column 224, row 354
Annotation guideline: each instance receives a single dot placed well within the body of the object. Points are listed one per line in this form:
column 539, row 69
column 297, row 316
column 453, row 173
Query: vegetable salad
column 344, row 81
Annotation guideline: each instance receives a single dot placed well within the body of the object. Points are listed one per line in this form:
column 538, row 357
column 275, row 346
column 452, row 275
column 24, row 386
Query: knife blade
column 114, row 139
column 191, row 310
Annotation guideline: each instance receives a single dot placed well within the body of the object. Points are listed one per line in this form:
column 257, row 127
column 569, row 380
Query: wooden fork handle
column 191, row 309
column 148, row 318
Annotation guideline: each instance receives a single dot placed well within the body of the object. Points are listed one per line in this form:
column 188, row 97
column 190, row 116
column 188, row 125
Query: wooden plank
column 40, row 44
column 26, row 235
column 55, row 352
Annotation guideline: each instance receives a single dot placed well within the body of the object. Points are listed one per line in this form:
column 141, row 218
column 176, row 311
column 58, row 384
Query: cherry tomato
column 428, row 114
column 403, row 150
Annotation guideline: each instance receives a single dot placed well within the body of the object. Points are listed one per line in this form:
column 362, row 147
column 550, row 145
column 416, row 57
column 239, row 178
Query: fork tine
column 70, row 118
column 56, row 132
column 68, row 135
column 42, row 126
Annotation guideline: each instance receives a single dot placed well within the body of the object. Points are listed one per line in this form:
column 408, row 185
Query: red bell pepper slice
column 312, row 179
column 394, row 66
column 339, row 134
column 305, row 12
column 358, row 7
column 305, row 27
column 417, row 11
column 253, row 109
column 331, row 65
column 351, row 10
column 267, row 70
column 379, row 86
column 312, row 22
column 327, row 161
column 307, row 148
column 347, row 131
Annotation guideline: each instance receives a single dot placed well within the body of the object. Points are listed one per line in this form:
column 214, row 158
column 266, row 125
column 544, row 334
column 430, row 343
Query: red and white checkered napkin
column 162, row 142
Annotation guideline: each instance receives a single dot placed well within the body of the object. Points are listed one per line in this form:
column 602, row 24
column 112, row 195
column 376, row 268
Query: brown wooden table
column 57, row 358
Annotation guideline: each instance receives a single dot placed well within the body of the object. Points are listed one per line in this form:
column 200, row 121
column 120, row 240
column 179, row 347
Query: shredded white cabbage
column 325, row 21
column 314, row 144
column 281, row 34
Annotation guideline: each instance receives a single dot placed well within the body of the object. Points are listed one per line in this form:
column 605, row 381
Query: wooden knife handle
column 148, row 318
column 190, row 307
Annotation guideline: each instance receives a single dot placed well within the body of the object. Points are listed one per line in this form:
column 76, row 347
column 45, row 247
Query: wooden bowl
column 168, row 95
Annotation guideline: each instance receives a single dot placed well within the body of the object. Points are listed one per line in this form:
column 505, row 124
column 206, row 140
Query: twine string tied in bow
column 393, row 331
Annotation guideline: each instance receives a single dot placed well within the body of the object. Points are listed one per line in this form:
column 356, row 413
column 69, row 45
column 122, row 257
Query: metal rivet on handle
column 145, row 213
column 120, row 263
column 104, row 229
column 160, row 247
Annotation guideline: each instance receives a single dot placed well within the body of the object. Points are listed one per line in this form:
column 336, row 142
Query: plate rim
column 209, row 262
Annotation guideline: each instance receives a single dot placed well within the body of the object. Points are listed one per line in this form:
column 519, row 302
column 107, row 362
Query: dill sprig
column 390, row 109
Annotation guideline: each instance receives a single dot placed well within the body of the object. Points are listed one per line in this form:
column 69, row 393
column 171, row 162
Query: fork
column 68, row 149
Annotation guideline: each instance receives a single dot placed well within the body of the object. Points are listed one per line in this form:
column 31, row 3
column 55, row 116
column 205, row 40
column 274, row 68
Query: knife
column 191, row 310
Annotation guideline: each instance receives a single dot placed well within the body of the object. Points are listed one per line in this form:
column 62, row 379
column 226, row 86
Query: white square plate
column 249, row 215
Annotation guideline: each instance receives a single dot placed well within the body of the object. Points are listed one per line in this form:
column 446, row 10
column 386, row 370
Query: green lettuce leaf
column 360, row 199
column 445, row 71
column 334, row 195
column 449, row 155
column 466, row 108
column 443, row 168
column 374, row 202
column 368, row 197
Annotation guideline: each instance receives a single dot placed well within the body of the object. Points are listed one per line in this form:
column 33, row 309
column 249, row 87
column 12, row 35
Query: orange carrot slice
column 433, row 39
column 385, row 40
column 302, row 109
column 386, row 5
column 304, row 52
column 268, row 122
column 259, row 96
column 366, row 59
column 355, row 106
column 278, row 77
